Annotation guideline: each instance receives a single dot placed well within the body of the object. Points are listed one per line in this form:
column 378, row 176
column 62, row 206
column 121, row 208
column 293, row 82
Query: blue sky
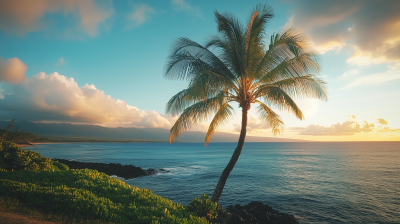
column 109, row 59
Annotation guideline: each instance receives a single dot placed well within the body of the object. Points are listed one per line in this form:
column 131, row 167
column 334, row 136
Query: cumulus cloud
column 369, row 27
column 182, row 5
column 349, row 127
column 23, row 16
column 12, row 70
column 56, row 98
column 140, row 14
column 382, row 121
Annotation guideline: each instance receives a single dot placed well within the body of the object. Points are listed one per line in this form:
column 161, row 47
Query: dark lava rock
column 124, row 171
column 254, row 212
column 164, row 171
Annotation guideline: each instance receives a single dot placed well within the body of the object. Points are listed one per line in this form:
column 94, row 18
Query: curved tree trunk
column 224, row 176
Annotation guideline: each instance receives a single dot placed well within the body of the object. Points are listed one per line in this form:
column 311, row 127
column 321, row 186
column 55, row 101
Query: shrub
column 13, row 157
column 203, row 207
column 91, row 195
column 59, row 166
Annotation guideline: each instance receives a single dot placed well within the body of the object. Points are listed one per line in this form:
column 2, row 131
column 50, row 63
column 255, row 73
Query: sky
column 103, row 63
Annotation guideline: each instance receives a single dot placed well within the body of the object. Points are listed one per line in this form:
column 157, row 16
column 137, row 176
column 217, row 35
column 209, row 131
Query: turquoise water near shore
column 342, row 182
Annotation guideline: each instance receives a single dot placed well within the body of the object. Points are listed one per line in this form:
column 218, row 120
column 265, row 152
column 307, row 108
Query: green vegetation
column 203, row 207
column 13, row 157
column 12, row 134
column 238, row 66
column 31, row 182
column 88, row 194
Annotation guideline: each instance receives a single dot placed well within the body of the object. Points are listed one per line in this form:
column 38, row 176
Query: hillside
column 71, row 132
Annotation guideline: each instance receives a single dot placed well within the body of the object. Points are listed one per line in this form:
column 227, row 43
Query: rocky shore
column 255, row 213
column 124, row 171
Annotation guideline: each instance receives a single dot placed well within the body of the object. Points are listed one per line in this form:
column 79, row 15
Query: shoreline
column 26, row 145
column 112, row 169
column 254, row 212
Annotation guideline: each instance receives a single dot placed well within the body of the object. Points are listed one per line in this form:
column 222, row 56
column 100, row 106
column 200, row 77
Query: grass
column 88, row 195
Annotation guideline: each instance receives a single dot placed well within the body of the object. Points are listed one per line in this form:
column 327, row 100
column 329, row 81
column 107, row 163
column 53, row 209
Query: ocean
column 340, row 182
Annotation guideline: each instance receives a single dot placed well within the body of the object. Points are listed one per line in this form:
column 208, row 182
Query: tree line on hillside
column 12, row 134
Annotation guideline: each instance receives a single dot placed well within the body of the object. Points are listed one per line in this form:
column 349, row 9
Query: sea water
column 343, row 182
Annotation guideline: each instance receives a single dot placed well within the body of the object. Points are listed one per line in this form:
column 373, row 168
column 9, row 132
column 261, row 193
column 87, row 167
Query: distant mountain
column 71, row 132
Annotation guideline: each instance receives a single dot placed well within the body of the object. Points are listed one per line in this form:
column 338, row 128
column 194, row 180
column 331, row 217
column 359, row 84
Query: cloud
column 371, row 28
column 375, row 78
column 349, row 127
column 351, row 72
column 140, row 14
column 61, row 61
column 346, row 128
column 56, row 98
column 22, row 16
column 253, row 125
column 182, row 5
column 12, row 70
column 382, row 121
column 4, row 90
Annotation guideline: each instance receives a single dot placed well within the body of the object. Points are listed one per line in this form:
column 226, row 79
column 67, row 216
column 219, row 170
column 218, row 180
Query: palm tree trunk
column 224, row 176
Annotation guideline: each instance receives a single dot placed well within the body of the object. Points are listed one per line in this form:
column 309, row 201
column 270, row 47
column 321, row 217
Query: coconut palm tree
column 238, row 66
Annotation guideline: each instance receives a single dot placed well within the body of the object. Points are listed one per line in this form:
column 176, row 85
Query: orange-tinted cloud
column 371, row 28
column 23, row 16
column 12, row 70
column 56, row 98
column 382, row 121
column 349, row 127
column 345, row 128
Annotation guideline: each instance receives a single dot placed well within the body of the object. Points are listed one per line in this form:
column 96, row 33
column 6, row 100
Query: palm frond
column 301, row 65
column 188, row 56
column 221, row 117
column 196, row 113
column 236, row 65
column 233, row 34
column 288, row 54
column 272, row 118
column 307, row 86
column 178, row 103
column 279, row 99
column 254, row 35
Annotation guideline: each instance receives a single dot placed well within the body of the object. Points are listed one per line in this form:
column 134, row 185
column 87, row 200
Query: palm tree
column 237, row 66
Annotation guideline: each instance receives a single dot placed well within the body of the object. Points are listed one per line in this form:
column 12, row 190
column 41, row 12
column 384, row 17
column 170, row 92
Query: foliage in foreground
column 203, row 207
column 13, row 157
column 88, row 194
column 39, row 182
